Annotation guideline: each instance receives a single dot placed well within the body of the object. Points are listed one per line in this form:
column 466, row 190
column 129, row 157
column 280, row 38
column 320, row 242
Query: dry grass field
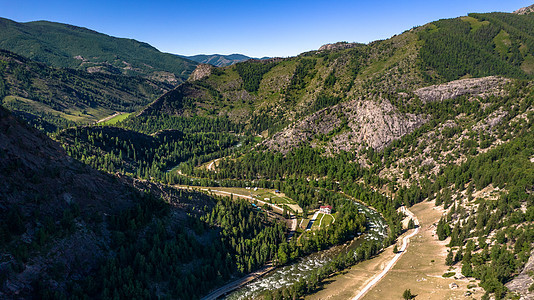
column 420, row 269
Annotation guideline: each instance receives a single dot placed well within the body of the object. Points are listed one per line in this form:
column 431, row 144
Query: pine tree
column 443, row 230
column 411, row 224
column 407, row 294
column 449, row 261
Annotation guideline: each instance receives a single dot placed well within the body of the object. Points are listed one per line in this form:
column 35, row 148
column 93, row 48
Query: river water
column 288, row 275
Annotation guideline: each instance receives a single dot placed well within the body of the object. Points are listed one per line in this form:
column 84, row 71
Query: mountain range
column 441, row 113
column 219, row 60
column 67, row 46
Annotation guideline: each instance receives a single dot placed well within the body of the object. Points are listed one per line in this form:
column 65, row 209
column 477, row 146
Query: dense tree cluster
column 252, row 73
column 114, row 149
column 454, row 48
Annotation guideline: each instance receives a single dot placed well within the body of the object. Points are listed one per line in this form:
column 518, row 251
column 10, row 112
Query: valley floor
column 420, row 269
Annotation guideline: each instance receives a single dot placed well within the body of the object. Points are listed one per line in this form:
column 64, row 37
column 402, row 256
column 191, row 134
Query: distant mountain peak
column 525, row 10
column 220, row 60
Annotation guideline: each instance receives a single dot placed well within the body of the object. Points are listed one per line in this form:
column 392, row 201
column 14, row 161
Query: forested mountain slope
column 67, row 230
column 68, row 46
column 441, row 112
column 56, row 97
column 273, row 93
column 218, row 60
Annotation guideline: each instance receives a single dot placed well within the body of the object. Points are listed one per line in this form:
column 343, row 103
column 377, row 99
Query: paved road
column 314, row 217
column 239, row 283
column 395, row 258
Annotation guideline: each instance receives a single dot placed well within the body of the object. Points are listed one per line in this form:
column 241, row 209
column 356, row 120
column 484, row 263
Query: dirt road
column 109, row 118
column 393, row 261
column 292, row 217
column 420, row 269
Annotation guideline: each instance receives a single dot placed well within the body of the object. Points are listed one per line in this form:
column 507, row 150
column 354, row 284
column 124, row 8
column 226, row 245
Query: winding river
column 288, row 275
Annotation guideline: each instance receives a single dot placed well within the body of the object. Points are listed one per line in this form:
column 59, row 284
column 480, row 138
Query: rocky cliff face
column 473, row 86
column 348, row 126
column 338, row 46
column 523, row 281
column 525, row 10
column 202, row 71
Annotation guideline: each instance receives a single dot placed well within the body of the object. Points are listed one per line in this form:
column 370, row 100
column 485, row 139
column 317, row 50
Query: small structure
column 277, row 191
column 325, row 209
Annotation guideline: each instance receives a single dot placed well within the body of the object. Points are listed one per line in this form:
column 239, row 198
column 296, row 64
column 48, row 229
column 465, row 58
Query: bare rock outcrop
column 525, row 10
column 523, row 281
column 202, row 71
column 348, row 126
column 338, row 46
column 472, row 86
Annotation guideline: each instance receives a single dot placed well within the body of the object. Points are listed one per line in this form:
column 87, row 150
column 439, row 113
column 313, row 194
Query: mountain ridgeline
column 443, row 112
column 67, row 46
column 270, row 94
column 219, row 60
column 53, row 98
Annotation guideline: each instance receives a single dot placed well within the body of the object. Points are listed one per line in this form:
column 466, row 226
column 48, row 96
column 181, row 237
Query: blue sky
column 254, row 28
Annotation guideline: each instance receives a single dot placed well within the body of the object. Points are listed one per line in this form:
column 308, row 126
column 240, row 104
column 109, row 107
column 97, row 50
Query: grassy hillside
column 441, row 112
column 273, row 93
column 67, row 46
column 55, row 97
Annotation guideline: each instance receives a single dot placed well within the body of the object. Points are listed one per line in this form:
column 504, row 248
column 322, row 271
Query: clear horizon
column 256, row 29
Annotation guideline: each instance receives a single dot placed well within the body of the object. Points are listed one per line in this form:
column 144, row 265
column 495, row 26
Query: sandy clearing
column 419, row 269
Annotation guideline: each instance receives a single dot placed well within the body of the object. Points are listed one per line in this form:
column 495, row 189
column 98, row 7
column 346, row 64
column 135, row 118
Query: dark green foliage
column 242, row 236
column 304, row 73
column 15, row 221
column 453, row 49
column 330, row 80
column 155, row 257
column 443, row 229
column 407, row 294
column 67, row 91
column 114, row 149
column 449, row 261
column 153, row 124
column 58, row 44
column 252, row 73
column 322, row 101
column 411, row 224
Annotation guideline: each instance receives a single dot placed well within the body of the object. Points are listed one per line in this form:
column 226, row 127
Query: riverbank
column 420, row 269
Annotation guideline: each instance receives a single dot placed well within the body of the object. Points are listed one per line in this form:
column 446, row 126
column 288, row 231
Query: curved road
column 395, row 258
column 266, row 269
column 292, row 217
column 238, row 283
